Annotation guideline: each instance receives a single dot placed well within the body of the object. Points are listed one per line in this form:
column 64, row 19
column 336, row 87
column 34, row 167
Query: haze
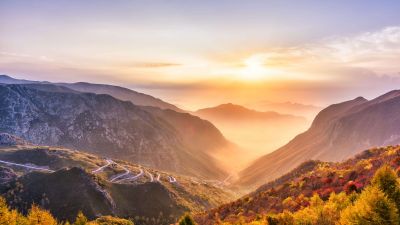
column 197, row 54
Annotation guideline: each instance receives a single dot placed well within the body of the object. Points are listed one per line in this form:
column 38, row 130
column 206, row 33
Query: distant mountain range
column 294, row 108
column 239, row 113
column 50, row 114
column 255, row 132
column 66, row 182
column 338, row 132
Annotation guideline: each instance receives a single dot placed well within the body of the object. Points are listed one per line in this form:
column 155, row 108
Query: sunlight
column 255, row 69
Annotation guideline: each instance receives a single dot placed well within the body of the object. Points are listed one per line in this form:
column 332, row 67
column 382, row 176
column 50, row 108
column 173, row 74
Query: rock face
column 338, row 132
column 49, row 115
column 10, row 140
column 6, row 175
column 125, row 94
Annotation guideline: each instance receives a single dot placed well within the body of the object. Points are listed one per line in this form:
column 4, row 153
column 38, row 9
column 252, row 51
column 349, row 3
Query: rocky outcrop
column 47, row 115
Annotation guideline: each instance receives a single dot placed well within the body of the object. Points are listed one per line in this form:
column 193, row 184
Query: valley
column 205, row 112
column 49, row 177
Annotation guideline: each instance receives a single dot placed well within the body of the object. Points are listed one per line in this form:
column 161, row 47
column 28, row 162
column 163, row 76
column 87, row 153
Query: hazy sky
column 201, row 53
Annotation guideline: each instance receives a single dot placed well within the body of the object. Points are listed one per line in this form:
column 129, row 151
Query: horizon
column 201, row 54
column 187, row 112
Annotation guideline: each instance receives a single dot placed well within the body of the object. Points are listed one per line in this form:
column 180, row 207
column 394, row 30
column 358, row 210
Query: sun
column 254, row 68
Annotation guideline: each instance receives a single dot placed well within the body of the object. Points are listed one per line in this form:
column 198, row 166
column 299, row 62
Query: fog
column 255, row 138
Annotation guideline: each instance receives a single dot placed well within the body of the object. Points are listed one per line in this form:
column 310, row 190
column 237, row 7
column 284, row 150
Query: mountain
column 11, row 140
column 5, row 79
column 48, row 114
column 66, row 181
column 255, row 132
column 294, row 108
column 121, row 93
column 338, row 132
column 295, row 190
column 125, row 94
column 231, row 111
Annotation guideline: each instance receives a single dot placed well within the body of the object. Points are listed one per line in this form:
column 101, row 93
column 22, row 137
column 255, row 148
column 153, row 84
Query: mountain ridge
column 122, row 93
column 102, row 124
column 337, row 132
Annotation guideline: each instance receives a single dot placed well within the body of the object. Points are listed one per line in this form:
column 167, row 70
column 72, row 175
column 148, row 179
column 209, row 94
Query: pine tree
column 186, row 220
column 37, row 216
column 387, row 181
column 372, row 207
column 81, row 219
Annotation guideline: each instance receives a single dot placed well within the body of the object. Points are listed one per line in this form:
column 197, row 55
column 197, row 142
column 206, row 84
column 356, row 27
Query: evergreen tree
column 387, row 181
column 81, row 219
column 186, row 220
column 372, row 207
column 37, row 216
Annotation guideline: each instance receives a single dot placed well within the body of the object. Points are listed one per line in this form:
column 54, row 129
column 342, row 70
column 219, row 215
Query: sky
column 201, row 53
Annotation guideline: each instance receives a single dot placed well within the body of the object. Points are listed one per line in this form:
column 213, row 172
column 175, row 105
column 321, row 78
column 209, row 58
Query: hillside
column 50, row 177
column 294, row 190
column 338, row 132
column 47, row 114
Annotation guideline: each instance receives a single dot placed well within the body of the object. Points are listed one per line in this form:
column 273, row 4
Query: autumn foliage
column 361, row 190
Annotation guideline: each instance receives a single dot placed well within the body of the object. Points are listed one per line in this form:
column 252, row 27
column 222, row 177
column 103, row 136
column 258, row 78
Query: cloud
column 377, row 51
column 152, row 64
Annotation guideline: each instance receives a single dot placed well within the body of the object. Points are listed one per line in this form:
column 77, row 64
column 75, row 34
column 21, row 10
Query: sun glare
column 255, row 69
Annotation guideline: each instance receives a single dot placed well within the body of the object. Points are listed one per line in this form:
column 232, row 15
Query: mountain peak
column 360, row 98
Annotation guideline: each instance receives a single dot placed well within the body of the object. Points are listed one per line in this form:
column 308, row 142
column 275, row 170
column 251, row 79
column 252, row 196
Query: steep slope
column 52, row 115
column 5, row 79
column 121, row 93
column 293, row 191
column 198, row 132
column 125, row 94
column 51, row 176
column 11, row 140
column 338, row 132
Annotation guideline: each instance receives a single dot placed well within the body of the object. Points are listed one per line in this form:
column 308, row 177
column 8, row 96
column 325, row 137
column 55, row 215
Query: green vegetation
column 38, row 216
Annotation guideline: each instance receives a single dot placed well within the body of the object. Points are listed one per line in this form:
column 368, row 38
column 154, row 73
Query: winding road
column 158, row 177
column 27, row 166
column 109, row 162
column 125, row 175
column 171, row 179
column 121, row 175
column 150, row 175
column 133, row 177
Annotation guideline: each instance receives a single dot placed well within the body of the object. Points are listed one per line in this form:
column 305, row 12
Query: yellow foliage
column 37, row 216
